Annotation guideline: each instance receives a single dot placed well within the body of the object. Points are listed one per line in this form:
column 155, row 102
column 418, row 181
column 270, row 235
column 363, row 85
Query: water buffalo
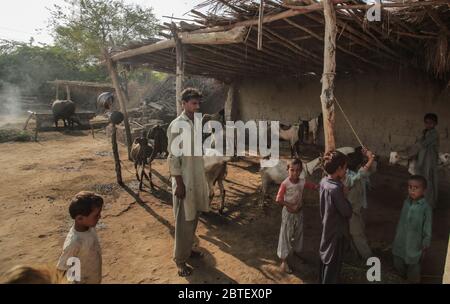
column 65, row 110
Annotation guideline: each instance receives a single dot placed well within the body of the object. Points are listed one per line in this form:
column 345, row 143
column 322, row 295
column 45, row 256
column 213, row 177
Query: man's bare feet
column 285, row 267
column 197, row 254
column 184, row 270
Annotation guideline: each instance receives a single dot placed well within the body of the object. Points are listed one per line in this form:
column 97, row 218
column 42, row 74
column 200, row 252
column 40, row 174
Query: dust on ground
column 136, row 230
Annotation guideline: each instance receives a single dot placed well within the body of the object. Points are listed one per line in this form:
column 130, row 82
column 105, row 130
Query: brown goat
column 142, row 154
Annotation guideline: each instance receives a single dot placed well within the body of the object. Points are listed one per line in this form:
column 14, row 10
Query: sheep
column 142, row 153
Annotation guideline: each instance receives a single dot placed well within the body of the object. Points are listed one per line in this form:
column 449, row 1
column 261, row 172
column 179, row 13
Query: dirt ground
column 136, row 230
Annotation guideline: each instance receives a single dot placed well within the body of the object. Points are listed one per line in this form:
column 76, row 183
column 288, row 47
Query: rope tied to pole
column 349, row 123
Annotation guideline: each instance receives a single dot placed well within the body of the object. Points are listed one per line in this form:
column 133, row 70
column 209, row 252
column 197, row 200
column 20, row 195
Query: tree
column 30, row 67
column 94, row 27
column 88, row 26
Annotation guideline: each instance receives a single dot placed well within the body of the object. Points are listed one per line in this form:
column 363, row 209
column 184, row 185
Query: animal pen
column 283, row 60
column 45, row 119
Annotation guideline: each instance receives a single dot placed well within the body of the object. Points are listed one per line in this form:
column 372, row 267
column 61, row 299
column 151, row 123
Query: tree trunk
column 329, row 69
column 120, row 96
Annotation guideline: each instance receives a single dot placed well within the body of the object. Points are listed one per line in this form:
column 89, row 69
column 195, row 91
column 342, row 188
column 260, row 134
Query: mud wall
column 386, row 109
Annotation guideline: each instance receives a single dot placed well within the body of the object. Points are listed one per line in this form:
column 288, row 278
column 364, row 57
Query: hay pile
column 8, row 135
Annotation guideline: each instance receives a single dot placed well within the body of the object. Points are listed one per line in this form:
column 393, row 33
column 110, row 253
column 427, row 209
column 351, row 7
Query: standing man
column 189, row 186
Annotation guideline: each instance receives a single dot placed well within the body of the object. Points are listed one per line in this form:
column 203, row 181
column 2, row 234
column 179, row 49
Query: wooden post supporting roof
column 120, row 96
column 329, row 69
column 180, row 68
column 68, row 92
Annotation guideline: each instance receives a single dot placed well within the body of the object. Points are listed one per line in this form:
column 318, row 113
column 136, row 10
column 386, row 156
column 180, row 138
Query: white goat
column 403, row 159
column 215, row 172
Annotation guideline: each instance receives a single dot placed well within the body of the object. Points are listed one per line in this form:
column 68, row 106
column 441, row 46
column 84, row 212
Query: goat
column 215, row 172
column 215, row 164
column 142, row 154
column 159, row 137
column 405, row 159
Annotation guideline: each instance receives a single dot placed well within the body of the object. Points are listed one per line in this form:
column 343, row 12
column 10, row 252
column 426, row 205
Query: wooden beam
column 383, row 5
column 329, row 70
column 235, row 35
column 112, row 68
column 180, row 68
column 260, row 24
column 68, row 92
column 321, row 39
column 295, row 47
column 268, row 18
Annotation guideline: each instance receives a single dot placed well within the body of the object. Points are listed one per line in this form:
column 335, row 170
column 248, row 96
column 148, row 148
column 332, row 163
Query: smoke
column 10, row 102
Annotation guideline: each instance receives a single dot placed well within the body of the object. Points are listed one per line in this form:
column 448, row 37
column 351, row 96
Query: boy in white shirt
column 82, row 243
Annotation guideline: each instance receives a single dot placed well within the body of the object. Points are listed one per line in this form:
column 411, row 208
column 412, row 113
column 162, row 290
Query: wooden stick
column 260, row 24
column 112, row 68
column 321, row 39
column 116, row 155
column 329, row 69
column 36, row 130
column 28, row 119
column 180, row 68
column 68, row 92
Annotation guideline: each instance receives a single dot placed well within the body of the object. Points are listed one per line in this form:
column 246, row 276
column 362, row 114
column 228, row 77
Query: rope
column 349, row 123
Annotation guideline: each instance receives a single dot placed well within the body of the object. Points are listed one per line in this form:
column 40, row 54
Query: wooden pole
column 116, row 155
column 260, row 25
column 329, row 69
column 57, row 92
column 180, row 68
column 120, row 96
column 68, row 92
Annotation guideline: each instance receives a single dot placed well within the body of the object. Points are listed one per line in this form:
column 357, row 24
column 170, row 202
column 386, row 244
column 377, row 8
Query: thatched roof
column 222, row 42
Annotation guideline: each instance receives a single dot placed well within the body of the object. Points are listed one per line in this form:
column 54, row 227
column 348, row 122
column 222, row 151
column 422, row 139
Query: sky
column 22, row 19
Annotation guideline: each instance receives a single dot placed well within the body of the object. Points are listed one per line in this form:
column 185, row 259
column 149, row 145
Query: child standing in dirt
column 290, row 197
column 82, row 242
column 413, row 236
column 356, row 181
column 335, row 212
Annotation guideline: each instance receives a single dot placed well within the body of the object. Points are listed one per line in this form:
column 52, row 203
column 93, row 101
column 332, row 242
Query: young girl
column 427, row 158
column 290, row 197
column 356, row 182
column 335, row 211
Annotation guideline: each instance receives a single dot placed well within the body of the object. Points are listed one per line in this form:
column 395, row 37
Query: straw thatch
column 222, row 42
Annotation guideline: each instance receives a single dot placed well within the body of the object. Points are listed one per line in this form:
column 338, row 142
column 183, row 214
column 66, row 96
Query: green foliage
column 88, row 26
column 30, row 67
column 7, row 135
